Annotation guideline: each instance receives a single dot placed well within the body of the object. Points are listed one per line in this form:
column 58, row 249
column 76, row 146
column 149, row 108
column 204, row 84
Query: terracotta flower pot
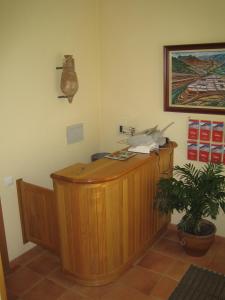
column 197, row 245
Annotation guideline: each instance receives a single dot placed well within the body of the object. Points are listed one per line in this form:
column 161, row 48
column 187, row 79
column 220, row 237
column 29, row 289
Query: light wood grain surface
column 105, row 169
column 38, row 214
column 106, row 215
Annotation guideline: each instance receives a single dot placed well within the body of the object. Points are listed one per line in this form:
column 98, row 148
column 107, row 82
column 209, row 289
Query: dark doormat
column 200, row 284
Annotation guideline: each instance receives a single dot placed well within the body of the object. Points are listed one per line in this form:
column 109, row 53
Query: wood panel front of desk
column 106, row 217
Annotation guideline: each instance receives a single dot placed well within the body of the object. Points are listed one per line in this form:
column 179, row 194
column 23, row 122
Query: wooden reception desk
column 105, row 213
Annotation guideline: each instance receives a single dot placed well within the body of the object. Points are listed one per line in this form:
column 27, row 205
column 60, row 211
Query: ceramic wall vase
column 69, row 81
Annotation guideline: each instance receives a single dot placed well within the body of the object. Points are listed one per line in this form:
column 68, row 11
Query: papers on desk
column 144, row 148
column 120, row 155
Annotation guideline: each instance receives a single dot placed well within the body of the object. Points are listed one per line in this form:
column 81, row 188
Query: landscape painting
column 194, row 78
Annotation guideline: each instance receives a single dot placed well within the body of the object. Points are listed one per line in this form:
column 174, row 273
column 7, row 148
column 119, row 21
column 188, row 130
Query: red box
column 193, row 129
column 224, row 154
column 204, row 151
column 205, row 130
column 217, row 131
column 216, row 153
column 192, row 150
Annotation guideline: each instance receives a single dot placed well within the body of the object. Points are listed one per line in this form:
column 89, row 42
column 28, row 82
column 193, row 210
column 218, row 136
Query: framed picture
column 194, row 78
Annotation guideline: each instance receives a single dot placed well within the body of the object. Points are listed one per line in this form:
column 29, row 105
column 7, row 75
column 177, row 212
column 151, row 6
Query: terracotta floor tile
column 21, row 280
column 220, row 238
column 217, row 265
column 172, row 227
column 124, row 293
column 157, row 262
column 171, row 234
column 154, row 298
column 218, row 248
column 154, row 278
column 164, row 288
column 70, row 295
column 178, row 269
column 202, row 261
column 170, row 248
column 93, row 292
column 11, row 296
column 59, row 277
column 140, row 279
column 221, row 254
column 45, row 290
column 44, row 264
column 28, row 256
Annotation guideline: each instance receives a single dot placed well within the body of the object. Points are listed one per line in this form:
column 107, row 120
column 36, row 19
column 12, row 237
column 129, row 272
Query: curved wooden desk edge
column 104, row 169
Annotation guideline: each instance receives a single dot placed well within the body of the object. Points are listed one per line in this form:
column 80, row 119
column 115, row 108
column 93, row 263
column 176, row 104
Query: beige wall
column 124, row 44
column 34, row 36
column 133, row 34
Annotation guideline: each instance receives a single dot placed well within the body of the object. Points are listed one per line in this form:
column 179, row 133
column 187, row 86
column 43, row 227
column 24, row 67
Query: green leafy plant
column 198, row 193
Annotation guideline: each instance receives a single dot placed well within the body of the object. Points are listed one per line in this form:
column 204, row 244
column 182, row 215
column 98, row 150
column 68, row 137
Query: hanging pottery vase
column 69, row 81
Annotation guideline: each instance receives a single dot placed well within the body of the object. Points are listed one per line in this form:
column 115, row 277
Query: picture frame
column 194, row 78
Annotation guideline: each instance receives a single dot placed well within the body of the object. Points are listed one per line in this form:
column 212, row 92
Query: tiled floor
column 38, row 276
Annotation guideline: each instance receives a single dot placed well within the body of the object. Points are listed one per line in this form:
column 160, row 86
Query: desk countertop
column 105, row 169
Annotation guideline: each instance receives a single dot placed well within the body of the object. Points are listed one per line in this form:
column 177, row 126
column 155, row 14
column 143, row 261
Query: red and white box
column 224, row 154
column 204, row 152
column 217, row 131
column 216, row 153
column 193, row 129
column 205, row 130
column 192, row 150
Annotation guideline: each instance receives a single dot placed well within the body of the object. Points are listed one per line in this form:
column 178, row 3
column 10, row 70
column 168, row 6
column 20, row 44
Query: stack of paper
column 144, row 148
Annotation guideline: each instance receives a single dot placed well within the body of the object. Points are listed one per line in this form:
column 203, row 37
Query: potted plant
column 198, row 194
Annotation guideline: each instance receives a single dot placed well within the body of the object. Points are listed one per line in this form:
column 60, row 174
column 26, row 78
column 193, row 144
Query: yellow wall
column 117, row 46
column 133, row 34
column 34, row 36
